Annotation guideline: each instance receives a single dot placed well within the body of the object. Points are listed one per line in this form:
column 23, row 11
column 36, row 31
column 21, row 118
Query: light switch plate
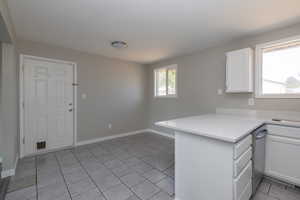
column 83, row 96
column 251, row 102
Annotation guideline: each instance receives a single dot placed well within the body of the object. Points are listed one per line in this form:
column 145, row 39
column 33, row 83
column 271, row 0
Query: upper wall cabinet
column 239, row 71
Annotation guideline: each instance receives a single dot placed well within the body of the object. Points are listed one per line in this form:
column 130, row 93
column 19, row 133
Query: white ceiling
column 153, row 29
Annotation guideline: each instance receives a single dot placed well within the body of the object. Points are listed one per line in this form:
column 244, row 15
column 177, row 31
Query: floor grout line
column 268, row 192
column 117, row 176
column 82, row 166
column 129, row 173
column 36, row 178
column 63, row 176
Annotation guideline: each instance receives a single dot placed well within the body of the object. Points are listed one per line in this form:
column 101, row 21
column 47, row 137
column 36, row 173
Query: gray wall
column 4, row 34
column 1, row 112
column 9, row 128
column 9, row 108
column 202, row 73
column 6, row 19
column 116, row 91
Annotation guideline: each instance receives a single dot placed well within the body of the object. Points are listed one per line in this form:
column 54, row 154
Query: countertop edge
column 225, row 139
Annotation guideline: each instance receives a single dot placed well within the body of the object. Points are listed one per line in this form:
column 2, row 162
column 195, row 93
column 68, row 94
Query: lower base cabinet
column 211, row 169
column 283, row 158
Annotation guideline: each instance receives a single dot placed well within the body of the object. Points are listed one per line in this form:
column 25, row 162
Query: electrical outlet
column 251, row 102
column 109, row 126
column 83, row 96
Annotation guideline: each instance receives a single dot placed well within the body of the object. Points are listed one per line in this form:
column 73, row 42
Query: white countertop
column 229, row 128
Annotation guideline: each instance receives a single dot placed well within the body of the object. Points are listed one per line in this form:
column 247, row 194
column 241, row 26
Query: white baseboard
column 41, row 152
column 161, row 133
column 110, row 137
column 85, row 142
column 10, row 172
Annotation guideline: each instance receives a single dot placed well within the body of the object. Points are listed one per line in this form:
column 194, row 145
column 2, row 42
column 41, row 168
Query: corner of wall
column 9, row 106
column 4, row 11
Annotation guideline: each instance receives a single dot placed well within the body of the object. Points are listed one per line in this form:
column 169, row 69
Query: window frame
column 258, row 68
column 174, row 66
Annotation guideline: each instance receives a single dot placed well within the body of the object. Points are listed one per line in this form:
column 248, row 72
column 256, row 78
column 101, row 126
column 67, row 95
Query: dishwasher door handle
column 262, row 134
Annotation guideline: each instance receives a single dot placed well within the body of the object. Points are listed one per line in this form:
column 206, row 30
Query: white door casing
column 48, row 104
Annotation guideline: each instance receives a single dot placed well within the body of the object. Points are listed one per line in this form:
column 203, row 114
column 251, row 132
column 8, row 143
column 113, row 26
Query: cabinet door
column 283, row 159
column 239, row 71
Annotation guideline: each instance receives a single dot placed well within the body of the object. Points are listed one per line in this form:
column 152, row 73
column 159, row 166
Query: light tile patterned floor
column 137, row 167
column 271, row 190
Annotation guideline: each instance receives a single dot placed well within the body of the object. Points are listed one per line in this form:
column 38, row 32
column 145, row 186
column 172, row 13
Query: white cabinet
column 283, row 153
column 242, row 169
column 239, row 71
column 242, row 181
column 213, row 169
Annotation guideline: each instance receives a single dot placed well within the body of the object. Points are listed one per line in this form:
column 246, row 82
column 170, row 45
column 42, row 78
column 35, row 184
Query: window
column 165, row 81
column 278, row 69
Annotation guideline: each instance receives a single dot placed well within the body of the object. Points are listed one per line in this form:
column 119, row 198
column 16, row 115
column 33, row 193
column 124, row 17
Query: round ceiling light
column 119, row 44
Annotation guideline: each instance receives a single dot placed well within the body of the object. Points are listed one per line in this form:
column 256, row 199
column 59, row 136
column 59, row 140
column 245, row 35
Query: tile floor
column 136, row 167
column 271, row 190
column 139, row 167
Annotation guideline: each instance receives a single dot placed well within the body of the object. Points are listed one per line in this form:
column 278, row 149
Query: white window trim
column 258, row 68
column 174, row 66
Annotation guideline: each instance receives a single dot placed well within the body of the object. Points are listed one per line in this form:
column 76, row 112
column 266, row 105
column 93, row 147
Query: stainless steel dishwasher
column 259, row 141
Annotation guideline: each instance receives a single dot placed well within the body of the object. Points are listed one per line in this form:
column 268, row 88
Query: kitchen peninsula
column 213, row 152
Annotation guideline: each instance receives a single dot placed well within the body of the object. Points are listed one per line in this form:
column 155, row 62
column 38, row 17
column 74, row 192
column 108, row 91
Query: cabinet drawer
column 246, row 194
column 242, row 161
column 241, row 182
column 242, row 146
column 284, row 131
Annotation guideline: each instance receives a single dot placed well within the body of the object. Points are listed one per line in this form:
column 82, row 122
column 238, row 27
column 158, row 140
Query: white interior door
column 48, row 104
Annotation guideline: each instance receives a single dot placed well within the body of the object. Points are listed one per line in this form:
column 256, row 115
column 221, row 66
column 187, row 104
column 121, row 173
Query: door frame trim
column 21, row 97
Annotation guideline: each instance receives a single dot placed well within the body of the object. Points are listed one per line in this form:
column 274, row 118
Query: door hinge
column 23, row 104
column 24, row 140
